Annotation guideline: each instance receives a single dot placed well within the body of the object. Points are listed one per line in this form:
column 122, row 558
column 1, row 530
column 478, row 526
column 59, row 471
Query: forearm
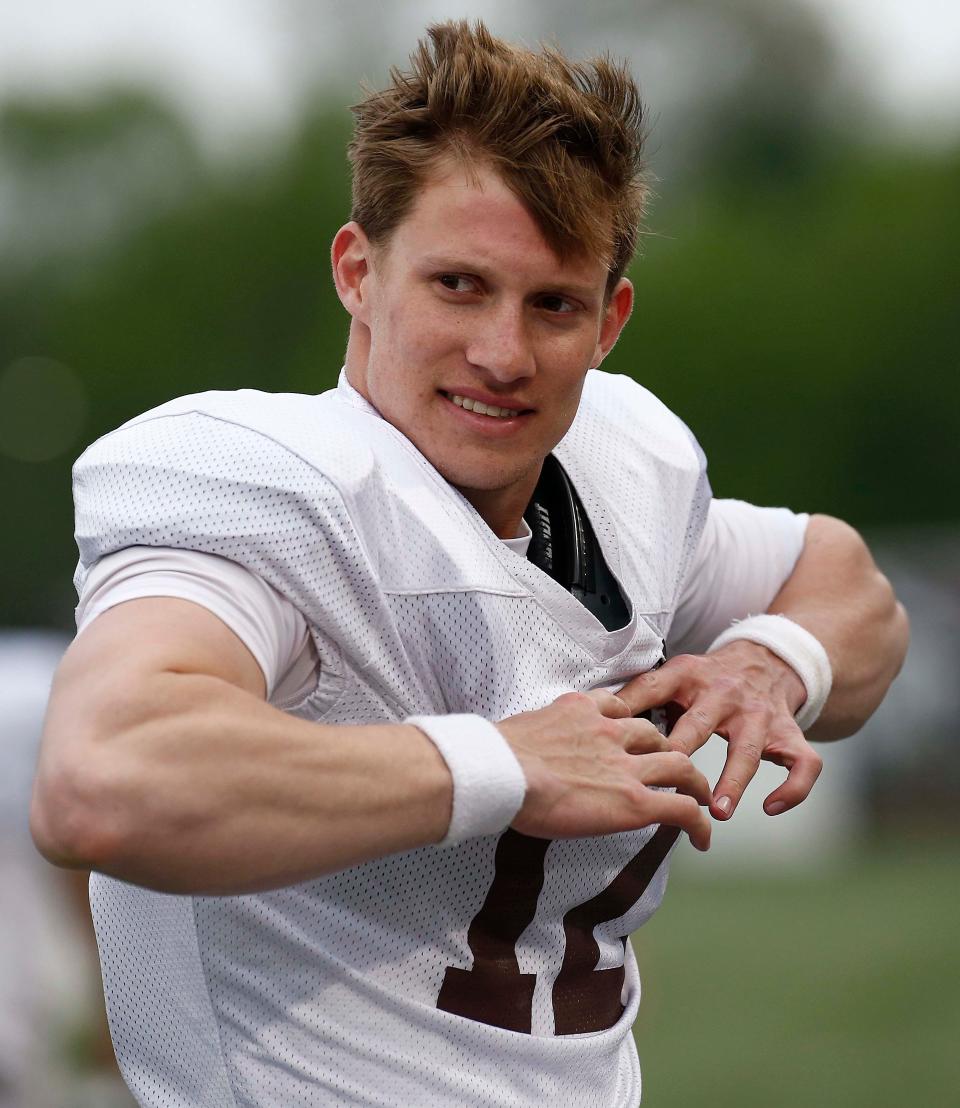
column 838, row 594
column 196, row 786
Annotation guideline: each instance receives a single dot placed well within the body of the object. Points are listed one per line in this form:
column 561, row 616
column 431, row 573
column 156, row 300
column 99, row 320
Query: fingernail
column 776, row 808
column 724, row 804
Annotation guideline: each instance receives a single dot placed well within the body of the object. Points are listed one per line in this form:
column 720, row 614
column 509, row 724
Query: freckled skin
column 467, row 295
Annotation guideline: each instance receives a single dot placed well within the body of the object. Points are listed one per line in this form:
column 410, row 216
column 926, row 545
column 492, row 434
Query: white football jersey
column 493, row 972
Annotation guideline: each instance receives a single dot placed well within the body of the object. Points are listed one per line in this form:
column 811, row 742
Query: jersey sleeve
column 266, row 623
column 744, row 556
column 193, row 481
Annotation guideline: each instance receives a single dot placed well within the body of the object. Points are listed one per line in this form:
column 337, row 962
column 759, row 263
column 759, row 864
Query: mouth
column 480, row 408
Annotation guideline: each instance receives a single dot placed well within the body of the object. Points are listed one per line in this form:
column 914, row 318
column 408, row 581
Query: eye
column 556, row 304
column 456, row 282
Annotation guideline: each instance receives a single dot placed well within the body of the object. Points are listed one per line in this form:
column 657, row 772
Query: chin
column 488, row 476
column 468, row 482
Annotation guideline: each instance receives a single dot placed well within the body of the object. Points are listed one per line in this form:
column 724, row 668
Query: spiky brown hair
column 565, row 137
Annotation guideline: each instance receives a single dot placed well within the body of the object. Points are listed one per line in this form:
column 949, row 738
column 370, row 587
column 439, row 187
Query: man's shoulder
column 219, row 461
column 622, row 417
column 245, row 409
column 284, row 485
column 245, row 475
column 241, row 432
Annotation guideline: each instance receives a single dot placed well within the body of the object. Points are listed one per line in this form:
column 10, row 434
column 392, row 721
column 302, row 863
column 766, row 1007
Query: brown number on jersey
column 494, row 991
column 586, row 998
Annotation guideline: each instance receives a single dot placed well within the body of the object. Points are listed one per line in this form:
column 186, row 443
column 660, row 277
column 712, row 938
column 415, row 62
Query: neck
column 358, row 353
column 502, row 509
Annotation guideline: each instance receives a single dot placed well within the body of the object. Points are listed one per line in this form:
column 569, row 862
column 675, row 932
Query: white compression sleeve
column 745, row 555
column 269, row 626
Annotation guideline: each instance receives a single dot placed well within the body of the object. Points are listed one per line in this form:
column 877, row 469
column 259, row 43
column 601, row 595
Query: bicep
column 120, row 680
column 266, row 622
column 142, row 638
column 118, row 675
column 147, row 613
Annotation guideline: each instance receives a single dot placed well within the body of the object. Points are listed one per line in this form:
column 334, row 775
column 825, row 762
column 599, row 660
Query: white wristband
column 797, row 647
column 488, row 782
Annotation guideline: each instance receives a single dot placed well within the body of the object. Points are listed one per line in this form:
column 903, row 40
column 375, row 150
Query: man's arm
column 749, row 695
column 837, row 592
column 162, row 764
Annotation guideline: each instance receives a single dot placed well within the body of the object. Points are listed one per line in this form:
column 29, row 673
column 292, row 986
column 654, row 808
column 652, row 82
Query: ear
column 615, row 316
column 352, row 257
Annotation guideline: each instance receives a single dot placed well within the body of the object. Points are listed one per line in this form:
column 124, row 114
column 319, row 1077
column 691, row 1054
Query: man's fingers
column 684, row 812
column 670, row 687
column 676, row 770
column 610, row 704
column 744, row 750
column 654, row 688
column 789, row 749
column 697, row 724
column 643, row 738
column 804, row 769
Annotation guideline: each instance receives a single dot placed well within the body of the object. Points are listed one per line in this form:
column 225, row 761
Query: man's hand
column 749, row 696
column 592, row 769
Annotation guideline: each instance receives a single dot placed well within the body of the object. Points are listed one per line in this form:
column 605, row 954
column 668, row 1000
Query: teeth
column 483, row 409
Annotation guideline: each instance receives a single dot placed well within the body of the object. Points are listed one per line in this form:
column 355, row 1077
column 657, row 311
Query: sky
column 239, row 66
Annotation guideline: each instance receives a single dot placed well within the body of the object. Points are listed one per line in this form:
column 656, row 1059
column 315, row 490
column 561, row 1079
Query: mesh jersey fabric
column 744, row 556
column 327, row 992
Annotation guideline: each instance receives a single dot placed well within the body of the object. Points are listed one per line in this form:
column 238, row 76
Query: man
column 300, row 616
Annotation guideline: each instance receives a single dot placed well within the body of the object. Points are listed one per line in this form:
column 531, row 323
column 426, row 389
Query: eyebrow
column 451, row 264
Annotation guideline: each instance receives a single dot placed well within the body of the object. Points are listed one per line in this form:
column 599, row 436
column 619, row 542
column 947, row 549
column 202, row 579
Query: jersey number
column 585, row 998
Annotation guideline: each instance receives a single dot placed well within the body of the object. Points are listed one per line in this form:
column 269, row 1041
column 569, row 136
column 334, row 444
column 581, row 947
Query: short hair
column 564, row 136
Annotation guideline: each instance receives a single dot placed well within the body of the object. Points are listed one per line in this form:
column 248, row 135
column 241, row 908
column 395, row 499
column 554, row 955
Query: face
column 472, row 338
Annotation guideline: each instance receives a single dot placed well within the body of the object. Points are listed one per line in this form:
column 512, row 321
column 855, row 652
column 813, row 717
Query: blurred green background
column 797, row 294
column 829, row 987
column 798, row 305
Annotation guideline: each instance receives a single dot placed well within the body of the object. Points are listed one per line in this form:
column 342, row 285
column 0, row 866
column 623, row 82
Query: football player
column 360, row 727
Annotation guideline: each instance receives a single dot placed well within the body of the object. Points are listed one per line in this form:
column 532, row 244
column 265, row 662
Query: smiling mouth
column 479, row 408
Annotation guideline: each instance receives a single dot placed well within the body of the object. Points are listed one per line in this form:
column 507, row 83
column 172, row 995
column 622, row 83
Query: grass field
column 839, row 989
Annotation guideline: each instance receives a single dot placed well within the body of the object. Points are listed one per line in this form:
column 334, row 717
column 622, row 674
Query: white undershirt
column 745, row 555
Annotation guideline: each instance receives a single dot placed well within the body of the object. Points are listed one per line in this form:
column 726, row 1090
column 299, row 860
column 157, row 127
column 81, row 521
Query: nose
column 500, row 345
